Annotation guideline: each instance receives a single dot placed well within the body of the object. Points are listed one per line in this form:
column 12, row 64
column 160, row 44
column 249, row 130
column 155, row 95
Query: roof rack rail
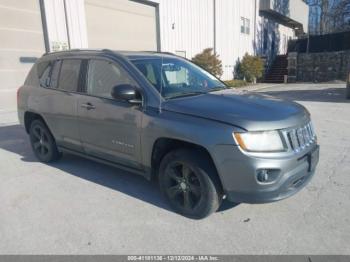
column 72, row 50
column 158, row 52
column 106, row 50
column 167, row 53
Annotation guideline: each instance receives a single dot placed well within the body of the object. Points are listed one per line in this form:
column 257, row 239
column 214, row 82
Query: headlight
column 266, row 141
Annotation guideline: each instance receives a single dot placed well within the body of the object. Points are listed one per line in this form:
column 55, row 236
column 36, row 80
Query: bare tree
column 328, row 16
column 340, row 16
column 315, row 16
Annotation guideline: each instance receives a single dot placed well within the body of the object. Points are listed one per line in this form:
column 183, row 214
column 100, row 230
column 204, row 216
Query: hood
column 251, row 111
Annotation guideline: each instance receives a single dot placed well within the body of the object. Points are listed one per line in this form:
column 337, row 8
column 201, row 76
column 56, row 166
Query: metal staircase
column 278, row 70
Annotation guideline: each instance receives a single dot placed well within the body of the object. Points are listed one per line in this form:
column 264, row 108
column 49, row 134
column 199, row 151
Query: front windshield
column 175, row 77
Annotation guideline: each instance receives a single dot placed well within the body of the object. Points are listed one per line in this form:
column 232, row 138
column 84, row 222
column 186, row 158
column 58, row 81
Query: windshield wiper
column 186, row 94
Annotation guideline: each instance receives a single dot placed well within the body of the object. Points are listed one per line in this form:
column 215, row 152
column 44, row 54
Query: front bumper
column 238, row 173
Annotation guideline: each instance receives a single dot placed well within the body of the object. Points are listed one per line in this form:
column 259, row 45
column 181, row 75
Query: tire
column 42, row 142
column 348, row 91
column 189, row 182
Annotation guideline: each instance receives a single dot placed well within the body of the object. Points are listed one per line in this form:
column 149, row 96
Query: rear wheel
column 42, row 142
column 348, row 91
column 189, row 182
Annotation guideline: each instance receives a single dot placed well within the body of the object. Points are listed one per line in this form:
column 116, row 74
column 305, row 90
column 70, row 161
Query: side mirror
column 127, row 93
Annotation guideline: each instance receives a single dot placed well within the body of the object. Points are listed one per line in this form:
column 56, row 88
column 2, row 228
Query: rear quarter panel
column 30, row 85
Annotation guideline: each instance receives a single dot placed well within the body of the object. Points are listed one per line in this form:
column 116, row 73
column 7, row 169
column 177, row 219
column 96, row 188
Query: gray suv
column 160, row 116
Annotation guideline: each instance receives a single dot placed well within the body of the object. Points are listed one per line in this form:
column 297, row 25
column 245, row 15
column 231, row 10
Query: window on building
column 245, row 25
column 103, row 76
column 69, row 77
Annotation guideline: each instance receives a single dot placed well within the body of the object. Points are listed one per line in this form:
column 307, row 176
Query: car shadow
column 15, row 140
column 333, row 95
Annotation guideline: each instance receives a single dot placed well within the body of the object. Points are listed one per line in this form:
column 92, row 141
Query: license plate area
column 313, row 158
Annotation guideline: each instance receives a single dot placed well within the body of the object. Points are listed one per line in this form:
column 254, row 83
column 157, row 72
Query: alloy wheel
column 40, row 141
column 183, row 186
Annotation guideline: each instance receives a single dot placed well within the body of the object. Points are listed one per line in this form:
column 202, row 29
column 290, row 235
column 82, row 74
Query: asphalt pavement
column 76, row 206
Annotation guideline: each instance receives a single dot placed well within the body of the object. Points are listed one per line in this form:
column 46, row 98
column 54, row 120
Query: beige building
column 29, row 28
column 21, row 40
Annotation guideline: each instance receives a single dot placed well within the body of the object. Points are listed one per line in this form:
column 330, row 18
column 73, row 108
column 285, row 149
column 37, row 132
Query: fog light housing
column 267, row 175
column 263, row 176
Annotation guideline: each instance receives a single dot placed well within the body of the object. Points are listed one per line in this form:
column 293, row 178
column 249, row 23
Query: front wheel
column 189, row 182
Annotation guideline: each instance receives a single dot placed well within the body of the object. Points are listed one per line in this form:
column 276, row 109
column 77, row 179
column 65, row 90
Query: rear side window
column 44, row 71
column 55, row 74
column 69, row 76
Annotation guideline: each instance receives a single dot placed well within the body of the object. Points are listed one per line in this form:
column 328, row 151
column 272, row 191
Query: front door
column 109, row 129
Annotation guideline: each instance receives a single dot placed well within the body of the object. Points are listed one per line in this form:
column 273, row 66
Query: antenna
column 161, row 84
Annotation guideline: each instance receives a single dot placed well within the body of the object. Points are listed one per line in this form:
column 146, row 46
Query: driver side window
column 103, row 76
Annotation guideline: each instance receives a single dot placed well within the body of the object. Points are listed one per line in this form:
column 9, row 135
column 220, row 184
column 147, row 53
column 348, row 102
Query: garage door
column 121, row 25
column 21, row 40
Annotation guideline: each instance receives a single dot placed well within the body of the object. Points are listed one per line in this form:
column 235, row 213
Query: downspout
column 214, row 24
column 159, row 43
column 255, row 27
column 67, row 26
column 44, row 24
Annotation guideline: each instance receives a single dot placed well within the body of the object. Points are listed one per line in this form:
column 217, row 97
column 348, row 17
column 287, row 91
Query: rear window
column 69, row 76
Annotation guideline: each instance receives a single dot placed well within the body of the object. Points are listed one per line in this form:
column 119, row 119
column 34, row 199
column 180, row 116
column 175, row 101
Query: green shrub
column 236, row 83
column 251, row 68
column 209, row 61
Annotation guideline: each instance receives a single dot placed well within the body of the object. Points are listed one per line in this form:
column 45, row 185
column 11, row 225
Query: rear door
column 109, row 129
column 59, row 102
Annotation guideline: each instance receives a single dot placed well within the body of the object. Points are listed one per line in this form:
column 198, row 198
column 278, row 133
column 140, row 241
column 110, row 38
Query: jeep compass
column 160, row 116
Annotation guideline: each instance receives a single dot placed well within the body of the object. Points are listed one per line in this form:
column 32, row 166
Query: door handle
column 88, row 106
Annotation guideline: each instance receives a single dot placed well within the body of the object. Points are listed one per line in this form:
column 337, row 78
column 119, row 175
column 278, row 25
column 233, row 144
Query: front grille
column 301, row 137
